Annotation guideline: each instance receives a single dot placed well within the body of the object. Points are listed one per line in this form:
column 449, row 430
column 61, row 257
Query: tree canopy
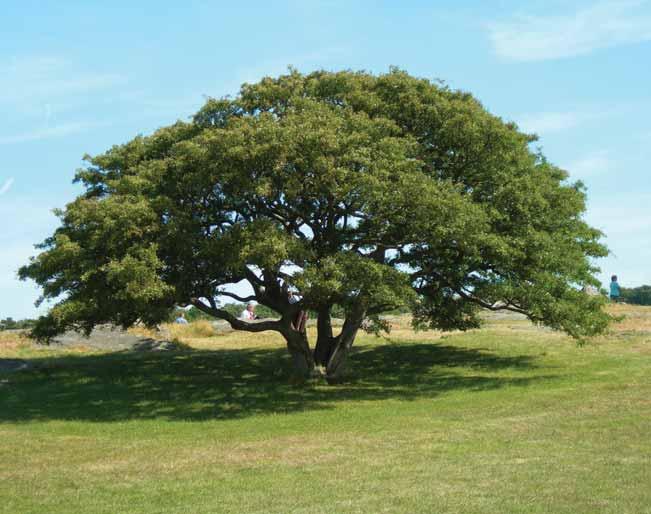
column 366, row 192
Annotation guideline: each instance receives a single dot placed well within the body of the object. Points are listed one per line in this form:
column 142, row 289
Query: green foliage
column 262, row 311
column 191, row 314
column 380, row 192
column 637, row 295
column 234, row 309
column 12, row 324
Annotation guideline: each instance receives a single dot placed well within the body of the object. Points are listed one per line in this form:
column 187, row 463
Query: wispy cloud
column 590, row 165
column 35, row 81
column 546, row 122
column 601, row 25
column 625, row 215
column 64, row 129
column 552, row 122
column 6, row 186
column 17, row 239
column 624, row 219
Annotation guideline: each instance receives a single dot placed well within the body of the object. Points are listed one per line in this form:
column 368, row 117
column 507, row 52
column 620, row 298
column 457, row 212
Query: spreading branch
column 243, row 299
column 236, row 323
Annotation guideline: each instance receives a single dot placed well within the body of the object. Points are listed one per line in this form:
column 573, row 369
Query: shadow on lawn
column 226, row 384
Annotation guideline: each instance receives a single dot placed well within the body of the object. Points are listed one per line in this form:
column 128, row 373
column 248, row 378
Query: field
column 510, row 418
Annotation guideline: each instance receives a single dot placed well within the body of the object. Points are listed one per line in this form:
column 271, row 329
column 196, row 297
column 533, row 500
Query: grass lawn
column 510, row 418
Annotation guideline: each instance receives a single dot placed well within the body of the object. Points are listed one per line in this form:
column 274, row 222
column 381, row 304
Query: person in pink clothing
column 248, row 314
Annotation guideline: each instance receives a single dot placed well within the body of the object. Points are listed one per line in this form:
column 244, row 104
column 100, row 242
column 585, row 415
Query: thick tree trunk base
column 302, row 359
column 300, row 365
column 337, row 377
column 338, row 363
column 323, row 350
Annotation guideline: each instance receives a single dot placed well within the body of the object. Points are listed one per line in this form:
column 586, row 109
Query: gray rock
column 109, row 338
column 9, row 365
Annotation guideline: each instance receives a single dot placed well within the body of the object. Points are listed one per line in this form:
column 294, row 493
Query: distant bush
column 262, row 311
column 235, row 309
column 12, row 324
column 192, row 314
column 265, row 312
column 637, row 295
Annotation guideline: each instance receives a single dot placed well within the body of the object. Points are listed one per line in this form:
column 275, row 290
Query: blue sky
column 77, row 77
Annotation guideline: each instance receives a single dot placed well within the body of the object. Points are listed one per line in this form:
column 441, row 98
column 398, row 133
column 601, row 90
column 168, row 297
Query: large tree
column 362, row 191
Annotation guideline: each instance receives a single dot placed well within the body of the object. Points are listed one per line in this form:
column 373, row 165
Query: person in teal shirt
column 614, row 289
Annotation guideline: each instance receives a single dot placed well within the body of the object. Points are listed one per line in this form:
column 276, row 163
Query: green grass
column 507, row 419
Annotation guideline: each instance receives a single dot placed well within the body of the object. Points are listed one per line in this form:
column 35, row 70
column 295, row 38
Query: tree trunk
column 325, row 342
column 341, row 347
column 299, row 349
column 297, row 343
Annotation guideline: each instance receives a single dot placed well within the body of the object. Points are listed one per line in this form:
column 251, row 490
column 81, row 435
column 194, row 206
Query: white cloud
column 64, row 129
column 31, row 82
column 601, row 25
column 546, row 122
column 625, row 220
column 558, row 121
column 24, row 222
column 590, row 165
column 18, row 297
column 35, row 215
column 6, row 186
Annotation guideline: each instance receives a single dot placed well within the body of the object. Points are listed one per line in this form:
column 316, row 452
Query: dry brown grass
column 635, row 328
column 203, row 335
column 288, row 451
column 637, row 318
column 10, row 340
column 636, row 323
column 201, row 329
column 196, row 330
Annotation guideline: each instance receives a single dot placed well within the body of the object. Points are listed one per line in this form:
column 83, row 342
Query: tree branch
column 507, row 306
column 377, row 309
column 252, row 277
column 237, row 324
column 243, row 299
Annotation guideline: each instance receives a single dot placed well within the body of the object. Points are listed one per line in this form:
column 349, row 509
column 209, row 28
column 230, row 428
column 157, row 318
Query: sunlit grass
column 510, row 418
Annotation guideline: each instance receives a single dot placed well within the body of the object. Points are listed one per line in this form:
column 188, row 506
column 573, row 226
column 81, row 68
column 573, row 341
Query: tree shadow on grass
column 229, row 384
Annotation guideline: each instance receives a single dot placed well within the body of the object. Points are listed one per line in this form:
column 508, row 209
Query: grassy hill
column 510, row 418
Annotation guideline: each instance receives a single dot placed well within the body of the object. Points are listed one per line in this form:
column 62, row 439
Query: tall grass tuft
column 196, row 329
